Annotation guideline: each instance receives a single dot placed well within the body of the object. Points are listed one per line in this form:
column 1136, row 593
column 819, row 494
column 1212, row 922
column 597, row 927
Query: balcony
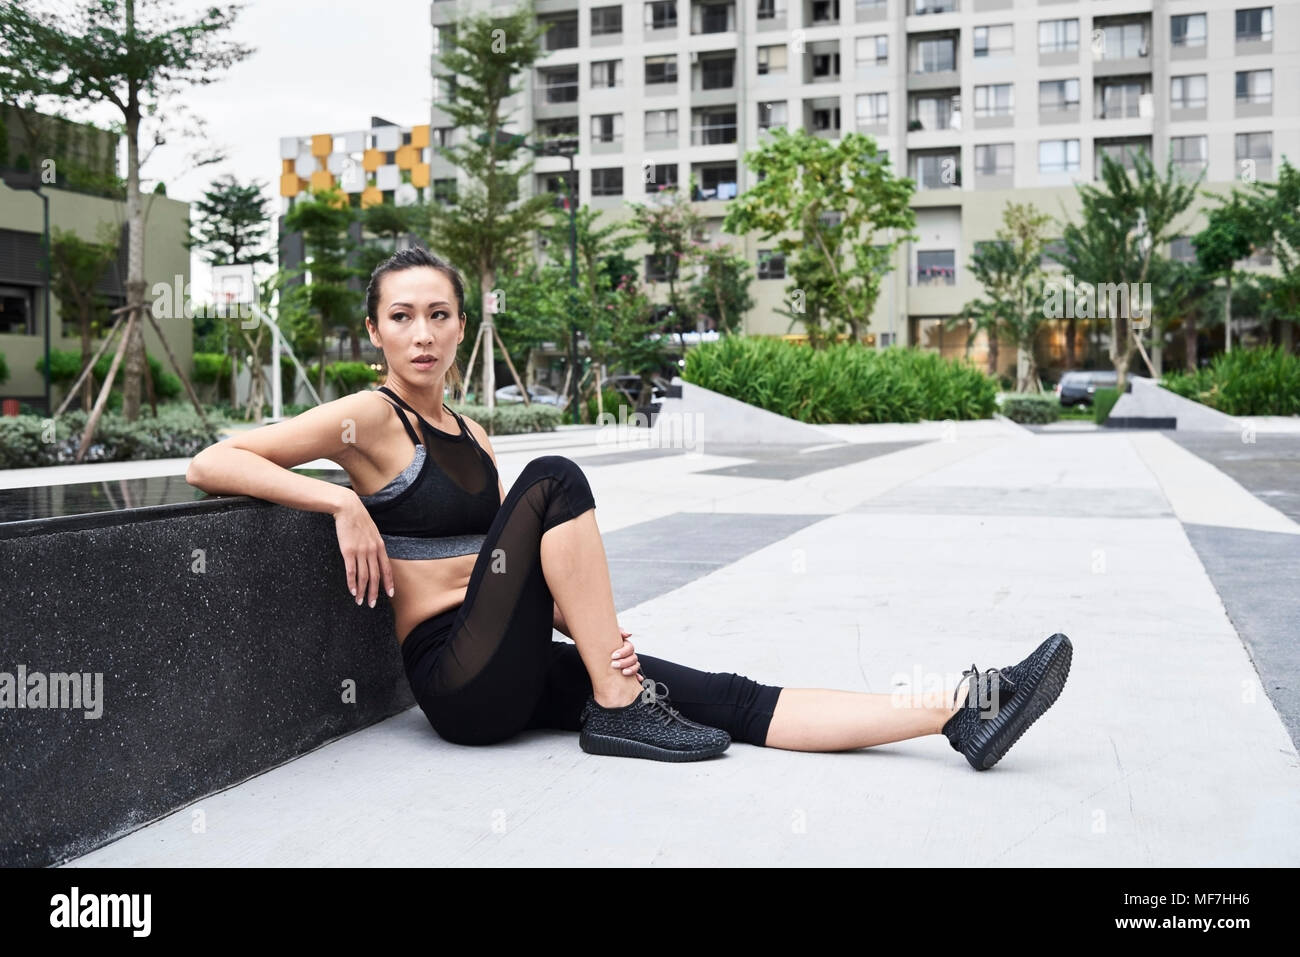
column 821, row 13
column 1124, row 100
column 771, row 16
column 822, row 117
column 936, row 170
column 870, row 11
column 932, row 62
column 563, row 32
column 1122, row 150
column 714, row 181
column 713, row 79
column 1121, row 46
column 821, row 62
column 713, row 127
column 556, row 95
column 921, row 8
column 934, row 112
column 713, row 18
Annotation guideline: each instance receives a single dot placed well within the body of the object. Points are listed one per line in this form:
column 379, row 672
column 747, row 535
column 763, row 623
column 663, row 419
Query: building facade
column 83, row 197
column 979, row 101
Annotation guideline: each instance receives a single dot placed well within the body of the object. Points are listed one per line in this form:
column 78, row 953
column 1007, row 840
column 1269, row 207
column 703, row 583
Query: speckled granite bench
column 152, row 656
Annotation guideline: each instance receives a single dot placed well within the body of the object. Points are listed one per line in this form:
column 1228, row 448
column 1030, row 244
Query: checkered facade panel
column 369, row 162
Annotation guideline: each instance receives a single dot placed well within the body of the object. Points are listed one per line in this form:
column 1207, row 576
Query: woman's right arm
column 259, row 463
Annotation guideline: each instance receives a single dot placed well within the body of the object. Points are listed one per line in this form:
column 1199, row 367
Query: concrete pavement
column 960, row 542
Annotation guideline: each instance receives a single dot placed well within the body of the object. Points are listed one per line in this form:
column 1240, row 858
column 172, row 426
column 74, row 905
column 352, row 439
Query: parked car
column 1077, row 388
column 630, row 386
column 537, row 393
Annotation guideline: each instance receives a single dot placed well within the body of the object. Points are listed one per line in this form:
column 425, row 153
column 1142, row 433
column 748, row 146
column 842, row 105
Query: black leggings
column 489, row 668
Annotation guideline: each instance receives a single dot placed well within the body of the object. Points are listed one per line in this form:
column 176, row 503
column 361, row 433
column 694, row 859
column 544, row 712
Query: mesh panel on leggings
column 509, row 591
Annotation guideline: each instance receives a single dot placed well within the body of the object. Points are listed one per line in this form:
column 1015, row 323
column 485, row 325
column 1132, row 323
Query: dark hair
column 409, row 259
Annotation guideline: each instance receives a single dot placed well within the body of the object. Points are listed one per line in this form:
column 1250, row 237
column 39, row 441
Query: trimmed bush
column 1031, row 409
column 177, row 432
column 211, row 367
column 4, row 369
column 509, row 419
column 1246, row 382
column 1103, row 400
column 845, row 382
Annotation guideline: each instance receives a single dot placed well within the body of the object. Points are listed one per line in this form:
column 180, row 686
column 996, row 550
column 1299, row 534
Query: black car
column 1077, row 388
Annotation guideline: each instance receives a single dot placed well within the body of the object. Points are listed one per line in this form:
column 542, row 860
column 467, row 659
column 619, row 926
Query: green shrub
column 166, row 385
column 1031, row 409
column 4, row 369
column 65, row 366
column 211, row 367
column 347, row 377
column 844, row 382
column 177, row 432
column 1103, row 400
column 612, row 400
column 1245, row 382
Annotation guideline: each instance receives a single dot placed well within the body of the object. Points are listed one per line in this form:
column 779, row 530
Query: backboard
column 233, row 285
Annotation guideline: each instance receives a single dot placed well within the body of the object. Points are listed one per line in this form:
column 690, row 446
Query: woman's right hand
column 364, row 555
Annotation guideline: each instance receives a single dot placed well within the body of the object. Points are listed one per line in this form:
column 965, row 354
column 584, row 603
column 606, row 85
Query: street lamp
column 27, row 179
column 517, row 140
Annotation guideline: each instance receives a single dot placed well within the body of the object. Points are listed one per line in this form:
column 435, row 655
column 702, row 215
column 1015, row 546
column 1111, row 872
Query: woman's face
column 417, row 320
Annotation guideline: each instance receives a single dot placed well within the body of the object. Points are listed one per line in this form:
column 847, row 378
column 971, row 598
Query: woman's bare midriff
column 426, row 587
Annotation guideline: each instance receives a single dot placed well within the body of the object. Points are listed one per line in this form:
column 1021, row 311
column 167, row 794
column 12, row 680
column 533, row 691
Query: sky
column 321, row 67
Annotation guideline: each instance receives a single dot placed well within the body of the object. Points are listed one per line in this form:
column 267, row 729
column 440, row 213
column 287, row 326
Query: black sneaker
column 648, row 728
column 1002, row 703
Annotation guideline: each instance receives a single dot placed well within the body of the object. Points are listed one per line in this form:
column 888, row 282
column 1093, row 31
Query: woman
column 478, row 577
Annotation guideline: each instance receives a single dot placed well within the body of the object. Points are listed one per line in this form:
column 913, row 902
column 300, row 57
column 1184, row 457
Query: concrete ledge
column 703, row 416
column 1150, row 401
column 214, row 640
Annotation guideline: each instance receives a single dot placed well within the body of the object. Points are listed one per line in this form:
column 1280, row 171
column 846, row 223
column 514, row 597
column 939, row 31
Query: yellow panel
column 420, row 136
column 322, row 144
column 406, row 157
column 420, row 175
column 286, row 166
column 289, row 183
column 322, row 179
column 371, row 196
column 371, row 160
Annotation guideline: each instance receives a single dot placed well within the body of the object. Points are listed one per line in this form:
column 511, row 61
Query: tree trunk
column 1227, row 317
column 1071, row 330
column 135, row 360
column 993, row 351
column 1189, row 340
column 87, row 398
column 1026, row 370
column 488, row 277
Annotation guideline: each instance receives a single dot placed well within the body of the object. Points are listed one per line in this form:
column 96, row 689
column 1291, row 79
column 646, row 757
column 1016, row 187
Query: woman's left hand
column 625, row 657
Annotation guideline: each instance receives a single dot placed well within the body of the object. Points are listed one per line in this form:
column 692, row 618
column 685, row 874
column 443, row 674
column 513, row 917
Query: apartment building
column 979, row 101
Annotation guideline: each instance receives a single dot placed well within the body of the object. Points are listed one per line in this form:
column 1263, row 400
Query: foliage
column 1031, row 409
column 177, row 432
column 1262, row 381
column 1103, row 400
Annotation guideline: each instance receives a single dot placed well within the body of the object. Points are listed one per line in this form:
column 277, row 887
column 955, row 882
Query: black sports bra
column 438, row 508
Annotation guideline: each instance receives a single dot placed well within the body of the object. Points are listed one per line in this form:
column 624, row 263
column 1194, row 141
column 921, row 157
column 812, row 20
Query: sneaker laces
column 651, row 697
column 1004, row 682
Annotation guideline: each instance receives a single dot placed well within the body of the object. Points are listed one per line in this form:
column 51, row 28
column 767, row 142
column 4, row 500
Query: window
column 937, row 112
column 936, row 170
column 605, row 20
column 995, row 100
column 1255, row 86
column 934, row 56
column 661, row 69
column 661, row 14
column 771, row 60
column 607, row 182
column 823, row 10
column 995, row 159
column 1058, row 36
column 16, row 314
column 825, row 64
column 873, row 109
column 660, row 268
column 1255, row 24
column 606, row 73
column 1187, row 92
column 661, row 123
column 1058, row 156
column 714, row 126
column 717, row 73
column 1255, row 146
column 936, row 267
column 922, row 7
column 873, row 51
column 993, row 41
column 662, row 176
column 1058, row 95
column 771, row 264
column 1122, row 41
column 1188, row 30
column 1052, row 252
column 607, row 128
column 766, row 9
column 444, row 191
column 1189, row 152
column 772, row 114
column 563, row 32
column 560, row 85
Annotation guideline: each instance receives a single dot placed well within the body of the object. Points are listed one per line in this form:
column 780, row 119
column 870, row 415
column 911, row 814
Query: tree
column 136, row 56
column 323, row 219
column 79, row 264
column 1125, row 224
column 1186, row 292
column 1010, row 270
column 1229, row 235
column 669, row 226
column 848, row 212
column 487, row 225
column 1277, row 209
column 721, row 288
column 231, row 223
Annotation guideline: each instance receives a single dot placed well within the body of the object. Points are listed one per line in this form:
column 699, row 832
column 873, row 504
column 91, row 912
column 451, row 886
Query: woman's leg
column 796, row 719
column 487, row 678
